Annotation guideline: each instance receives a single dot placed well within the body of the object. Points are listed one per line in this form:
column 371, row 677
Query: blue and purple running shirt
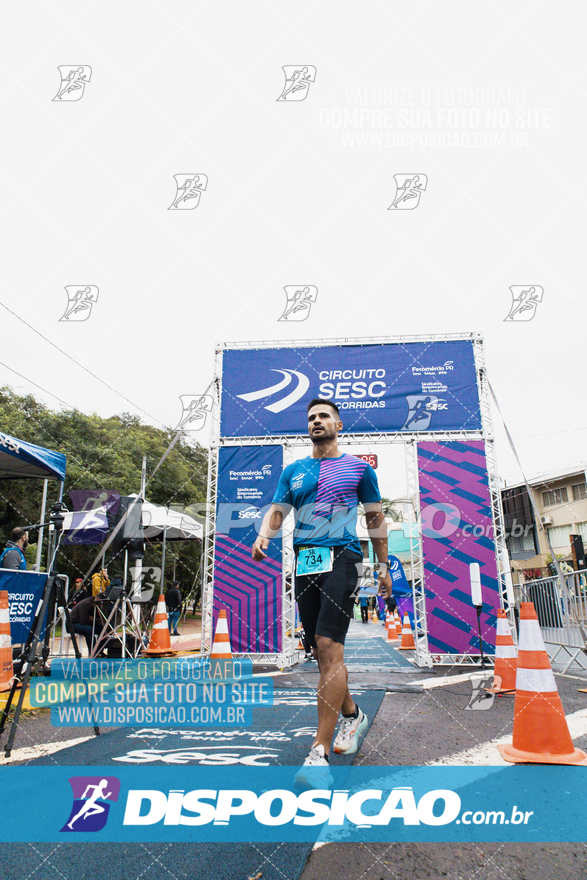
column 324, row 494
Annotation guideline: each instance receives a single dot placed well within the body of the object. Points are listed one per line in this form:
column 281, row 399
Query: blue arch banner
column 389, row 387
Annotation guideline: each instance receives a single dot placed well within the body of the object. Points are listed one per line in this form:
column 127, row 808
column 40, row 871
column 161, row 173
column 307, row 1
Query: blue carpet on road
column 280, row 735
column 371, row 649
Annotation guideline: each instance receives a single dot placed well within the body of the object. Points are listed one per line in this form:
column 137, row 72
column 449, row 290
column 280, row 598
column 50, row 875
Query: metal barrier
column 562, row 615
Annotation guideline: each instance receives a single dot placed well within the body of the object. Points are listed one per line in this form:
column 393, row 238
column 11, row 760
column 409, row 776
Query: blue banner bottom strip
column 366, row 804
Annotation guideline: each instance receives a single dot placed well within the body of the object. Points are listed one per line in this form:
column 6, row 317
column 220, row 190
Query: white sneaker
column 347, row 738
column 315, row 772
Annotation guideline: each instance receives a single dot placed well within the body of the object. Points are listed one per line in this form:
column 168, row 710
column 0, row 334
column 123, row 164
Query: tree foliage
column 102, row 453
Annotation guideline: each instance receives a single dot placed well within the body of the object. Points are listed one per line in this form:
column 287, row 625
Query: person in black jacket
column 82, row 618
column 173, row 603
column 79, row 593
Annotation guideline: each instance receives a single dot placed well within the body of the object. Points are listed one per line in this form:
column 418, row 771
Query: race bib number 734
column 314, row 560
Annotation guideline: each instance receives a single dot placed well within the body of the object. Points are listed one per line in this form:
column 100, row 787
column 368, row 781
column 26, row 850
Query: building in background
column 401, row 537
column 561, row 500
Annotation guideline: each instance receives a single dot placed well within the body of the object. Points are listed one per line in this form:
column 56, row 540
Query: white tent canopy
column 176, row 526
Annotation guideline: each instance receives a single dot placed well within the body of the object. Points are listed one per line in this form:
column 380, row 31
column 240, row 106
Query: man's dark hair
column 318, row 401
column 17, row 534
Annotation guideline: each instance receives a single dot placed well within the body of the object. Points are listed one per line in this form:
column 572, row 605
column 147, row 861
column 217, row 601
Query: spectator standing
column 100, row 581
column 173, row 603
column 13, row 554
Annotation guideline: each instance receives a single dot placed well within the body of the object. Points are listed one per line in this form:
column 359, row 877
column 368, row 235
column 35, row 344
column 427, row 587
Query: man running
column 324, row 490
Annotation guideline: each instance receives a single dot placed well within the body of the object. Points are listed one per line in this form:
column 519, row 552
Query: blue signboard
column 413, row 387
column 399, row 583
column 401, row 589
column 25, row 590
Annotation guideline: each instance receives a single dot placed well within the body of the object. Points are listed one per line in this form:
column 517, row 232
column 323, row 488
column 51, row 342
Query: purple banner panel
column 457, row 529
column 249, row 591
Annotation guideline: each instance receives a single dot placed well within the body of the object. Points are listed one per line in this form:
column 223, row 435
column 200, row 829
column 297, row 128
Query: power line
column 77, row 363
column 40, row 387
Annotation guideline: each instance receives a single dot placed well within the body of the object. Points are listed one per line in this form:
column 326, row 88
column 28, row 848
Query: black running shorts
column 325, row 601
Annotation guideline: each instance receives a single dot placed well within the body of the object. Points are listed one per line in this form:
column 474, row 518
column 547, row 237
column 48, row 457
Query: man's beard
column 323, row 436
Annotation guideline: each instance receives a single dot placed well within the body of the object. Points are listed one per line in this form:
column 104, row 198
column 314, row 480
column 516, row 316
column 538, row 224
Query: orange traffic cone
column 221, row 649
column 6, row 670
column 505, row 658
column 541, row 733
column 398, row 624
column 390, row 627
column 391, row 630
column 408, row 643
column 374, row 617
column 160, row 642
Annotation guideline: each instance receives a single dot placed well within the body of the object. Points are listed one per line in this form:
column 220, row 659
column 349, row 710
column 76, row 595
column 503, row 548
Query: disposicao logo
column 91, row 795
column 279, row 807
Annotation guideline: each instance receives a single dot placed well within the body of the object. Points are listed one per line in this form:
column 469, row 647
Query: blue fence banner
column 528, row 804
column 412, row 387
column 25, row 589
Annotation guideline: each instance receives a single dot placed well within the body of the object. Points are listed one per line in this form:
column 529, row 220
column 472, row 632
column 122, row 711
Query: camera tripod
column 119, row 620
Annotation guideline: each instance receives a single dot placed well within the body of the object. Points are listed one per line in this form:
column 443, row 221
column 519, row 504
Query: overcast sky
column 297, row 192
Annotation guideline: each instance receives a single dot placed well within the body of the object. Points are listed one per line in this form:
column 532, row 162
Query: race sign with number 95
column 370, row 458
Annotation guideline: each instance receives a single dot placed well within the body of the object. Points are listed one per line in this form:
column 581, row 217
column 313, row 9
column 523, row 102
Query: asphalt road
column 422, row 719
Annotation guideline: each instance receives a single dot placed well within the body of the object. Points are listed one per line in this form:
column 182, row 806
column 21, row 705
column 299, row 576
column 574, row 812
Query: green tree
column 102, row 453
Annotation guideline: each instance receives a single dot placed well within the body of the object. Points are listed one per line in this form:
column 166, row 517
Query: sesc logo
column 249, row 513
column 303, row 383
column 437, row 404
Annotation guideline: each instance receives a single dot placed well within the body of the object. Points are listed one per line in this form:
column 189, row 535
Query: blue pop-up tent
column 22, row 460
